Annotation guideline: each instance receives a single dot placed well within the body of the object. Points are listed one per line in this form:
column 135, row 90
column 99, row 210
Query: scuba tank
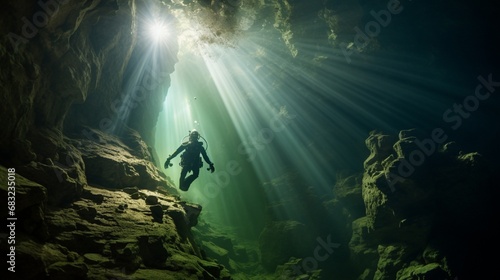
column 191, row 157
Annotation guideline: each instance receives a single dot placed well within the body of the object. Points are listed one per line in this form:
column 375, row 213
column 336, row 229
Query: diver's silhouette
column 190, row 159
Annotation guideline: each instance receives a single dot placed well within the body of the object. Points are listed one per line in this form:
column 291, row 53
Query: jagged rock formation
column 422, row 202
column 406, row 216
column 122, row 234
column 118, row 162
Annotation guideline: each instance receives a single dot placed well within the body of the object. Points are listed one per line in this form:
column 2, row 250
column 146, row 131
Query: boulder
column 215, row 252
column 112, row 164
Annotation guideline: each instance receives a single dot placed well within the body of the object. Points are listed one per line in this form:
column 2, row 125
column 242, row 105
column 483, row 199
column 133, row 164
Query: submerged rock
column 89, row 240
column 414, row 195
column 113, row 164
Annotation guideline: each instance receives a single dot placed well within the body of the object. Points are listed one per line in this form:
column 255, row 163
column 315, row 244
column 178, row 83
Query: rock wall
column 66, row 70
column 422, row 209
column 79, row 99
column 424, row 198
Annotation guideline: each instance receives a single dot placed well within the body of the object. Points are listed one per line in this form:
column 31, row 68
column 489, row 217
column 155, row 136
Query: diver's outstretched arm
column 170, row 157
column 207, row 159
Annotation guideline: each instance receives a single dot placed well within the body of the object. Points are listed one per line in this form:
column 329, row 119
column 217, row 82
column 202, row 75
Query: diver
column 190, row 159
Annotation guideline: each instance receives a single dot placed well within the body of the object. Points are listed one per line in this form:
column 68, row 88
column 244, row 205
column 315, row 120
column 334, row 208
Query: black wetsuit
column 190, row 161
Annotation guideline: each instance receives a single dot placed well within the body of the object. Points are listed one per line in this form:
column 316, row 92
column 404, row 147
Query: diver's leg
column 191, row 178
column 182, row 179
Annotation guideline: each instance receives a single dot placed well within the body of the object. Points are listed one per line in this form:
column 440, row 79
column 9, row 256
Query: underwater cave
column 331, row 139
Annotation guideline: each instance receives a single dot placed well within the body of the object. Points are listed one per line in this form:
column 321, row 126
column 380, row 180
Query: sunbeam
column 302, row 117
column 287, row 121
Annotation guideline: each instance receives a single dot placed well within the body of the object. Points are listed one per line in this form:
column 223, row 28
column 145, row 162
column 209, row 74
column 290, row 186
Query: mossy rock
column 425, row 272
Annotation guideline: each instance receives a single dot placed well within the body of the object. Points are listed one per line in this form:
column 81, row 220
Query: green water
column 286, row 121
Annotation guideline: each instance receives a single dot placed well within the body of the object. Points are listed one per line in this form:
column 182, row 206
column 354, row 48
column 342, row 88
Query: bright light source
column 158, row 31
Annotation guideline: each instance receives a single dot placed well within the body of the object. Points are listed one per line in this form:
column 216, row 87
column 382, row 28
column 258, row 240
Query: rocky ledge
column 125, row 233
